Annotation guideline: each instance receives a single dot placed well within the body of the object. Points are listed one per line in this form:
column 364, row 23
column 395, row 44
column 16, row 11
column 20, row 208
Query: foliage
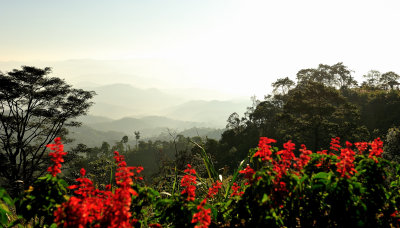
column 277, row 189
column 325, row 102
column 34, row 108
column 6, row 202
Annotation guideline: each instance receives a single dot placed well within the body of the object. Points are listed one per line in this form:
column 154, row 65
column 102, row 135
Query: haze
column 204, row 50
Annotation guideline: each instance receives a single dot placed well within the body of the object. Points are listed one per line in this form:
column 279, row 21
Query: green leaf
column 321, row 175
column 3, row 217
column 317, row 186
column 265, row 198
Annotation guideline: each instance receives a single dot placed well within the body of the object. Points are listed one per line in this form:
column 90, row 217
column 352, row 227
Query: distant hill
column 92, row 137
column 121, row 100
column 210, row 133
column 148, row 126
column 91, row 119
column 215, row 113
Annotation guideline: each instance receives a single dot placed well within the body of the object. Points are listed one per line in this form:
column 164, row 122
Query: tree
column 137, row 137
column 389, row 79
column 234, row 122
column 392, row 144
column 34, row 109
column 105, row 148
column 313, row 113
column 125, row 141
column 337, row 75
column 282, row 85
column 342, row 76
column 372, row 78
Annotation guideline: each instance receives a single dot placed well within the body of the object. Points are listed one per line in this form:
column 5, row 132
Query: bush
column 340, row 187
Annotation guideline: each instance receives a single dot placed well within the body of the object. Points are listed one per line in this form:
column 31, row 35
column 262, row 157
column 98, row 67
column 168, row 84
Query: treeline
column 322, row 103
column 160, row 157
column 319, row 104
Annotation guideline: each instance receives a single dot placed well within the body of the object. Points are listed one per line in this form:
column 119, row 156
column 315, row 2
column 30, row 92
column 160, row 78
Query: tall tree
column 313, row 113
column 34, row 109
column 337, row 75
column 388, row 80
column 342, row 76
column 372, row 79
column 282, row 85
column 137, row 137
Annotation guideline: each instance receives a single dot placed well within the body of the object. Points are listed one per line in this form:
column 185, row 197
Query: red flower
column 287, row 156
column 395, row 215
column 235, row 190
column 335, row 144
column 214, row 189
column 189, row 183
column 248, row 174
column 304, row 158
column 376, row 149
column 345, row 166
column 323, row 152
column 156, row 225
column 57, row 158
column 361, row 146
column 202, row 216
column 93, row 207
column 264, row 149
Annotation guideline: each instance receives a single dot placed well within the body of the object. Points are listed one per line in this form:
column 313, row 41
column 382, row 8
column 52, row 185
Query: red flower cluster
column 212, row 191
column 83, row 209
column 119, row 214
column 287, row 156
column 323, row 152
column 345, row 166
column 361, row 147
column 202, row 216
column 56, row 156
column 264, row 148
column 304, row 158
column 189, row 183
column 396, row 216
column 93, row 207
column 335, row 144
column 248, row 174
column 376, row 149
column 235, row 190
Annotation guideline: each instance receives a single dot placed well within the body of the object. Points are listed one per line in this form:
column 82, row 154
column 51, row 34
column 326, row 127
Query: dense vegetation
column 226, row 185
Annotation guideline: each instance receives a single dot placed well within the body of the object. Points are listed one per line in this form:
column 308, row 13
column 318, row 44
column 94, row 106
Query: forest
column 282, row 163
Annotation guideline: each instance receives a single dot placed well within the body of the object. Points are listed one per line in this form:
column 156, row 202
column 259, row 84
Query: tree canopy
column 34, row 109
column 325, row 102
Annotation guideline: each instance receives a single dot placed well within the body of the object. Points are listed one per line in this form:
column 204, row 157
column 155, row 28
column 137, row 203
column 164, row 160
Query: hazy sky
column 239, row 47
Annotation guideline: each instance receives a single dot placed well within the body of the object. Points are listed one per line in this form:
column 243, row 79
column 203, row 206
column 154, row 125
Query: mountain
column 92, row 137
column 91, row 119
column 214, row 113
column 148, row 126
column 120, row 100
column 202, row 132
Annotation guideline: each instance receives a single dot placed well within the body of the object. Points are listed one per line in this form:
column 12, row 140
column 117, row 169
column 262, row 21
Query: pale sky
column 238, row 47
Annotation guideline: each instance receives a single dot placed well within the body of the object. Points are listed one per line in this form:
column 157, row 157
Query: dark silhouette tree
column 313, row 113
column 282, row 85
column 137, row 137
column 372, row 78
column 105, row 148
column 388, row 80
column 34, row 109
column 337, row 75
